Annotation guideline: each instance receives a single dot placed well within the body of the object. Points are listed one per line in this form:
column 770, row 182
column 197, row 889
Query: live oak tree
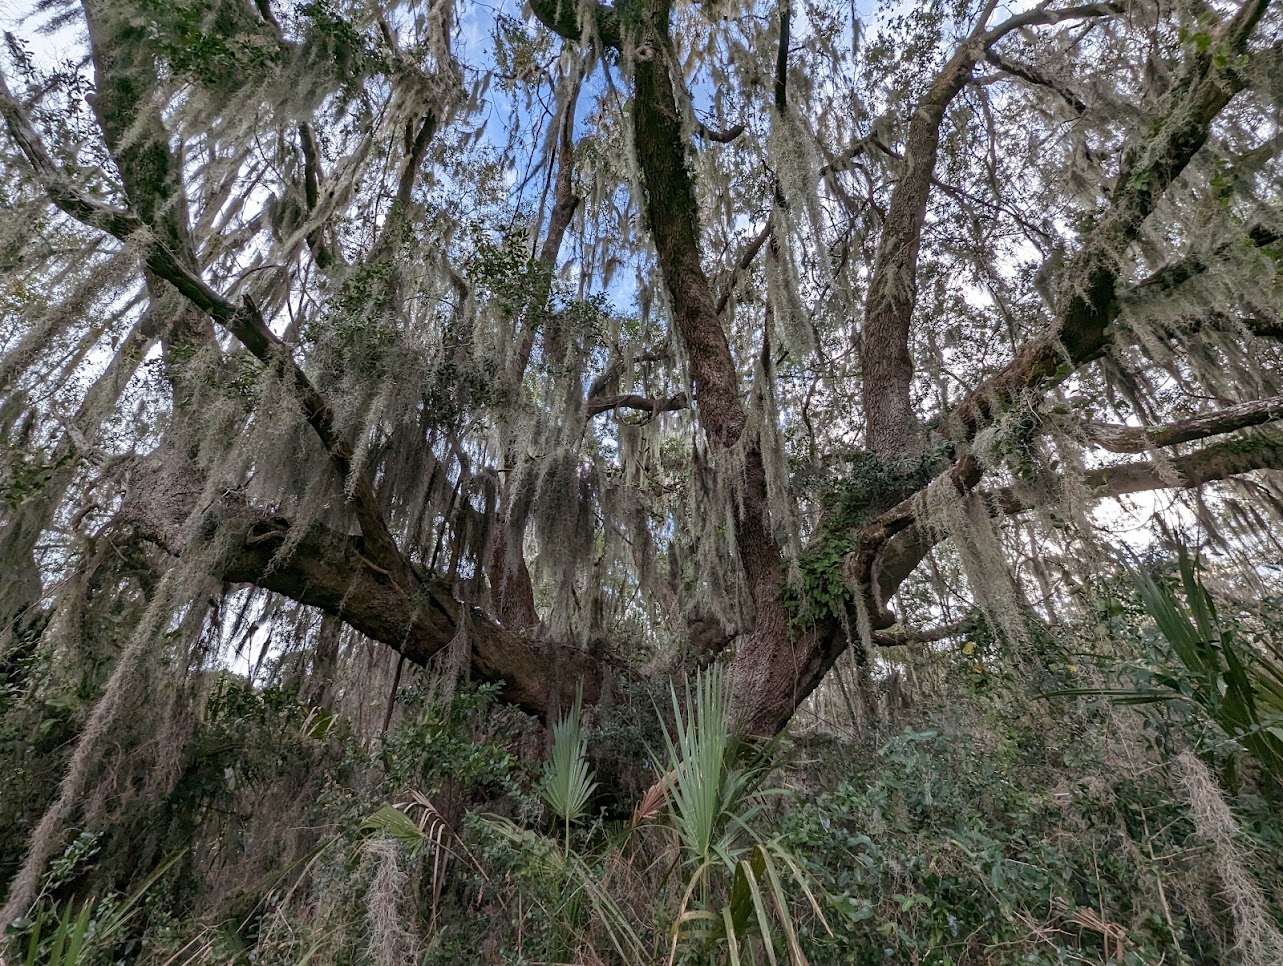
column 585, row 345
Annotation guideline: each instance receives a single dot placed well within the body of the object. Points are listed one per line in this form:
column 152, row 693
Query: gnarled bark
column 412, row 612
column 367, row 579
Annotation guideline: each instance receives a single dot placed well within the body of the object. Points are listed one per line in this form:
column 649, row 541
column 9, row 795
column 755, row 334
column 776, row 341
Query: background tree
column 586, row 348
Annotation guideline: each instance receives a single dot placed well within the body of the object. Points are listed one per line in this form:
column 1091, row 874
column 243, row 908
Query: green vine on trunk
column 871, row 486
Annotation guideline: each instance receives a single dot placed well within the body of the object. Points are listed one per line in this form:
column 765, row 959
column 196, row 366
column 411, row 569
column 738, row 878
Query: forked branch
column 244, row 322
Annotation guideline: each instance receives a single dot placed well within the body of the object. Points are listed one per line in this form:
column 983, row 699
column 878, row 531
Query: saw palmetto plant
column 1236, row 682
column 568, row 783
column 734, row 879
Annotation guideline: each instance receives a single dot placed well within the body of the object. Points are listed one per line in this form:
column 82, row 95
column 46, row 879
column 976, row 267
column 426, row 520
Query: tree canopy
column 573, row 347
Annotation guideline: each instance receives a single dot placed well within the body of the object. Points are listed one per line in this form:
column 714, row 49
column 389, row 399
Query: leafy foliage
column 1238, row 685
column 567, row 780
column 367, row 365
column 868, row 485
column 942, row 847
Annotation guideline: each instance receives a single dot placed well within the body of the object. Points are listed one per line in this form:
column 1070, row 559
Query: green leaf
column 567, row 782
column 396, row 825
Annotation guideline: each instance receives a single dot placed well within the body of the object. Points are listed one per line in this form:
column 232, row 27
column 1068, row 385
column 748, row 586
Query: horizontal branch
column 892, row 547
column 244, row 322
column 1044, row 16
column 1211, row 464
column 930, row 635
column 1135, row 439
column 415, row 614
column 720, row 136
column 61, row 190
column 606, row 404
column 579, row 21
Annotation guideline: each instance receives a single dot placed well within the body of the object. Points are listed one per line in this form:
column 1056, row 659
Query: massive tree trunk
column 769, row 667
column 373, row 579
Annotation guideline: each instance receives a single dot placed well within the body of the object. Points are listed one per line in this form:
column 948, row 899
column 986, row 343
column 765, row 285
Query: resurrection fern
column 868, row 487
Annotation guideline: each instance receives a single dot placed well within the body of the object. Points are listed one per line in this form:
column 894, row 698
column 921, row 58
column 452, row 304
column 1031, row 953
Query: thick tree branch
column 891, row 425
column 606, row 404
column 671, row 208
column 565, row 201
column 61, row 190
column 1033, row 76
column 902, row 552
column 1211, row 464
column 901, row 555
column 743, row 264
column 673, row 215
column 901, row 637
column 1044, row 15
column 719, row 136
column 244, row 322
column 579, row 21
column 417, row 142
column 861, row 565
column 1091, row 303
column 765, row 663
column 782, row 58
column 1134, row 439
column 1170, row 277
column 413, row 613
column 312, row 194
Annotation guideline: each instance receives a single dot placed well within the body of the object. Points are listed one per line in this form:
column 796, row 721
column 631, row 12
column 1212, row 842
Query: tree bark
column 369, row 583
column 892, row 428
column 886, row 360
column 412, row 612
